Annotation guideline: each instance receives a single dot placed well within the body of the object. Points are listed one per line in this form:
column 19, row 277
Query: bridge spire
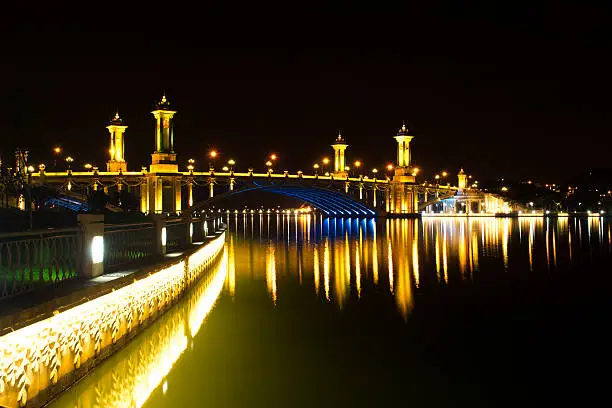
column 116, row 128
column 339, row 147
column 164, row 158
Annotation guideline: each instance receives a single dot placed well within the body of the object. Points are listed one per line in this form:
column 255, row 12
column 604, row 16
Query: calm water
column 434, row 312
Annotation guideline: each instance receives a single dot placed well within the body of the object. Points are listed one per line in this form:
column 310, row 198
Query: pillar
column 158, row 193
column 91, row 255
column 461, row 180
column 231, row 184
column 177, row 195
column 159, row 222
column 144, row 196
column 403, row 147
column 190, row 192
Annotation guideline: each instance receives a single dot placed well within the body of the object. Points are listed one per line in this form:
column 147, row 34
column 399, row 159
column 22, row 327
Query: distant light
column 88, row 166
column 225, row 168
column 213, row 153
column 325, row 160
column 374, row 171
column 273, row 156
column 547, row 212
column 444, row 174
column 231, row 162
column 30, row 169
column 504, row 188
column 163, row 236
column 357, row 163
column 268, row 163
column 389, row 167
column 57, row 150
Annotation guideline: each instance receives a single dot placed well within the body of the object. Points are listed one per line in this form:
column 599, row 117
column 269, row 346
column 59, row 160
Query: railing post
column 160, row 234
column 91, row 256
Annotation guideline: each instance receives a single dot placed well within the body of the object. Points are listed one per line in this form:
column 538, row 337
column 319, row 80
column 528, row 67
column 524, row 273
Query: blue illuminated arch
column 329, row 202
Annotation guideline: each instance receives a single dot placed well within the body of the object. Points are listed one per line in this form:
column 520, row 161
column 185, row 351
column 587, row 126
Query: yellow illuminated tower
column 163, row 160
column 339, row 159
column 117, row 145
column 402, row 197
column 462, row 180
column 403, row 147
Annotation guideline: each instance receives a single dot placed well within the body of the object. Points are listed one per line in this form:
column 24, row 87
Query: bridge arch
column 329, row 202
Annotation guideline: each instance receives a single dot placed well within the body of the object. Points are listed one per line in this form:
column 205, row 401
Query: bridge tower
column 117, row 145
column 162, row 190
column 462, row 180
column 402, row 195
column 339, row 159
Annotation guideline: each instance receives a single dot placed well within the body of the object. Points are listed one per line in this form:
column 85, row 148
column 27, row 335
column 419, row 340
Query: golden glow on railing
column 37, row 356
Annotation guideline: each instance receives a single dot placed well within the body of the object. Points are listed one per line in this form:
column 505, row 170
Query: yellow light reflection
column 326, row 267
column 315, row 268
column 271, row 271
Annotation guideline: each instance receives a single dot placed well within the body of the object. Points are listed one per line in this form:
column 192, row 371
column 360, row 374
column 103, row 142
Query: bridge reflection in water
column 301, row 296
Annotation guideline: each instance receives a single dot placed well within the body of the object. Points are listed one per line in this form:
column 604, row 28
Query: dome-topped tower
column 116, row 128
column 164, row 159
column 403, row 139
column 339, row 147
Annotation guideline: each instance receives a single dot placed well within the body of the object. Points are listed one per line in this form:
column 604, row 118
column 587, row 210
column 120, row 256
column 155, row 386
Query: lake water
column 307, row 311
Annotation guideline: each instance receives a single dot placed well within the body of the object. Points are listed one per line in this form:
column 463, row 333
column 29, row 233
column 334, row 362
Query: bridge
column 163, row 189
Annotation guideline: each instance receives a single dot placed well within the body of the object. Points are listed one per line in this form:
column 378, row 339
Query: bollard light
column 163, row 236
column 97, row 249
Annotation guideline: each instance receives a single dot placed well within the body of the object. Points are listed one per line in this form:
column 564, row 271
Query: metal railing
column 126, row 243
column 32, row 259
column 176, row 235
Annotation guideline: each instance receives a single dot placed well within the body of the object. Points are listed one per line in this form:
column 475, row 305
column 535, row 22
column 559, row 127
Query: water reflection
column 343, row 257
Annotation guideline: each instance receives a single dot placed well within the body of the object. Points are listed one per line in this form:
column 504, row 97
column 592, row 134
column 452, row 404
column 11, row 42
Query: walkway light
column 191, row 161
column 30, row 169
column 69, row 161
column 347, row 168
column 357, row 163
column 273, row 156
column 213, row 154
column 389, row 167
column 268, row 163
column 504, row 188
column 444, row 174
column 374, row 171
column 437, row 177
column 41, row 167
column 87, row 166
column 225, row 168
column 57, row 150
column 325, row 161
column 315, row 166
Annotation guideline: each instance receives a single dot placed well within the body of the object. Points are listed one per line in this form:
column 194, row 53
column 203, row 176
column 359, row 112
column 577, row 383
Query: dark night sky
column 502, row 92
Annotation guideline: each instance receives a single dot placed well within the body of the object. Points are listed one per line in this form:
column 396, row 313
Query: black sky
column 501, row 91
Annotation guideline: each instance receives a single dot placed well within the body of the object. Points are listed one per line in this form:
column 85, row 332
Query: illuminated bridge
column 163, row 189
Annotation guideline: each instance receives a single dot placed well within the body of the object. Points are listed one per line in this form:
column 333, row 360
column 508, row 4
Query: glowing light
column 325, row 160
column 273, row 156
column 30, row 169
column 444, row 174
column 88, row 166
column 97, row 249
column 268, row 163
column 163, row 236
column 57, row 150
column 231, row 162
column 374, row 171
column 213, row 154
column 389, row 167
column 315, row 166
column 504, row 188
column 357, row 164
column 225, row 168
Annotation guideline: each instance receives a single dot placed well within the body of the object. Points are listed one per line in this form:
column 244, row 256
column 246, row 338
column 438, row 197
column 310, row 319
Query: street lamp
column 231, row 163
column 269, row 165
column 69, row 161
column 212, row 155
column 375, row 171
column 316, row 168
column 225, row 168
column 415, row 171
column 56, row 152
column 273, row 156
column 444, row 174
column 87, row 166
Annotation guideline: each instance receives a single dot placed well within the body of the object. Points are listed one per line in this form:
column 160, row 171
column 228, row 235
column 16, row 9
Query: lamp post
column 29, row 195
column 316, row 168
column 325, row 162
column 356, row 166
column 231, row 163
column 269, row 167
column 212, row 155
column 56, row 152
column 69, row 161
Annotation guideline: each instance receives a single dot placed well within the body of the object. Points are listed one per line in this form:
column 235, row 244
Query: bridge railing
column 125, row 243
column 29, row 260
